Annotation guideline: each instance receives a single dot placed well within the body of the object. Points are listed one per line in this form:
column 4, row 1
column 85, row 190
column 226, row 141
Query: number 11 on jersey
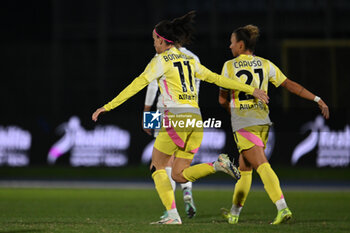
column 178, row 65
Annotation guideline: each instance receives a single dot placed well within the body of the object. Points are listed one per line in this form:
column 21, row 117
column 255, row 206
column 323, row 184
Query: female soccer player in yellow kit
column 151, row 93
column 250, row 119
column 175, row 72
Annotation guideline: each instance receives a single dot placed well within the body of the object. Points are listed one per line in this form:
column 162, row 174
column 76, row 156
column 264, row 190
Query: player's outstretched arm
column 299, row 90
column 134, row 87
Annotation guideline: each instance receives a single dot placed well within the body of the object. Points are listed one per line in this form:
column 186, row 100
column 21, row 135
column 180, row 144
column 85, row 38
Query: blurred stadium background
column 63, row 59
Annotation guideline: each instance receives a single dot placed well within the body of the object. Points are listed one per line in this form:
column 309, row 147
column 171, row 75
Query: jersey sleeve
column 276, row 77
column 196, row 58
column 153, row 71
column 151, row 93
column 197, row 82
column 205, row 74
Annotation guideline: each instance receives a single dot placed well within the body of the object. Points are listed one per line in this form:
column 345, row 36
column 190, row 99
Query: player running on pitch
column 151, row 94
column 250, row 119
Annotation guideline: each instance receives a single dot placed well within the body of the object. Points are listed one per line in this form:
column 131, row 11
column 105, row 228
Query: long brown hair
column 179, row 30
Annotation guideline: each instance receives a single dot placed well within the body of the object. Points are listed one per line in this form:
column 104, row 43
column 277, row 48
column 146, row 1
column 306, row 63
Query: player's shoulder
column 263, row 60
column 156, row 60
column 229, row 62
column 189, row 53
column 229, row 65
column 228, row 68
column 156, row 57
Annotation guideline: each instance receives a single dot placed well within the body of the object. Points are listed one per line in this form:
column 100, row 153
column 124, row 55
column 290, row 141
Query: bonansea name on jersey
column 172, row 57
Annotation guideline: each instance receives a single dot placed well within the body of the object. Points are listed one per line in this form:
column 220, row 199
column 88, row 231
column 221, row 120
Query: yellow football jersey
column 256, row 72
column 175, row 72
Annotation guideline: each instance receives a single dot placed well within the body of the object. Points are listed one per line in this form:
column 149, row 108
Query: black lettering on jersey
column 171, row 57
column 251, row 106
column 187, row 97
column 242, row 64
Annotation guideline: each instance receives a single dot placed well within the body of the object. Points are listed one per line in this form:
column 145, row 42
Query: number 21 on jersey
column 249, row 75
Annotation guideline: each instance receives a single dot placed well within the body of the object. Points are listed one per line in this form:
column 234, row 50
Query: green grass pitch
column 113, row 210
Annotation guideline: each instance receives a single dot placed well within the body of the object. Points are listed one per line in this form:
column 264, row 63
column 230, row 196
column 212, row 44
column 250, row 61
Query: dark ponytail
column 180, row 30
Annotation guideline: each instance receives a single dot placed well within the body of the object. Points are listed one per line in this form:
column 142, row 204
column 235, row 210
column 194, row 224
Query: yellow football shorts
column 248, row 137
column 179, row 135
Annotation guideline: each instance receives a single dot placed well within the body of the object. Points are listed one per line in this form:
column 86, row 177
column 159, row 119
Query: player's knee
column 175, row 177
column 178, row 177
